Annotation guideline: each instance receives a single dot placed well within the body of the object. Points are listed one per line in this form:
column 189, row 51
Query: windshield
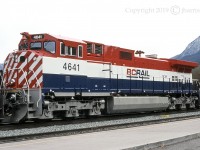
column 50, row 46
column 36, row 45
column 23, row 45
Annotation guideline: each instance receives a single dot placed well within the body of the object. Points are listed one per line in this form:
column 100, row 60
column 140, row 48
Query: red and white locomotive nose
column 23, row 69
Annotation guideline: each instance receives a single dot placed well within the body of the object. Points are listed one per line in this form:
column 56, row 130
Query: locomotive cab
column 41, row 43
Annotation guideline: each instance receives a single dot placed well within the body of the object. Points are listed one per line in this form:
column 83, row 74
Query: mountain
column 191, row 53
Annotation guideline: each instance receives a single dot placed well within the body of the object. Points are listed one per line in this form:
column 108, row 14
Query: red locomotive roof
column 67, row 38
column 175, row 63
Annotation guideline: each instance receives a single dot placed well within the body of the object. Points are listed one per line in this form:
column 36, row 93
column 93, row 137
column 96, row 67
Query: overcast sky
column 154, row 26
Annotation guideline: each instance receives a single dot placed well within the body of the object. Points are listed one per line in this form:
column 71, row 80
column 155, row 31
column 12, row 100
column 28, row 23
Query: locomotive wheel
column 187, row 106
column 197, row 104
column 178, row 106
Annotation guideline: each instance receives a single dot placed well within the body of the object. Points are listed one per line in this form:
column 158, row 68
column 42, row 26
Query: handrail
column 40, row 89
column 1, row 84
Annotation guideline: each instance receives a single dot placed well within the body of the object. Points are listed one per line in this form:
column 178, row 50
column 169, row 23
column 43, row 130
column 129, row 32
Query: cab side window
column 71, row 51
column 80, row 51
column 62, row 48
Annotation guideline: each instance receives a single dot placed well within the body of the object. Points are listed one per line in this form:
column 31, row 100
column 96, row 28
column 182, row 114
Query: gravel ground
column 91, row 125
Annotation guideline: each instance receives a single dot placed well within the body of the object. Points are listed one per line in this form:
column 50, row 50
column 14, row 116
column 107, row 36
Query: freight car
column 52, row 76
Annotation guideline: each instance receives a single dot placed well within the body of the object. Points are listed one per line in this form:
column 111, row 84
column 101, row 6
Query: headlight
column 12, row 81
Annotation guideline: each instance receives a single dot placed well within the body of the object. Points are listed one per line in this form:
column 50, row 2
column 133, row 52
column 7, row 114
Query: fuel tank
column 136, row 104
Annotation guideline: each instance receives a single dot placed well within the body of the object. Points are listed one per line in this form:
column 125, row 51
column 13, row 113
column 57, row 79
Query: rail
column 33, row 130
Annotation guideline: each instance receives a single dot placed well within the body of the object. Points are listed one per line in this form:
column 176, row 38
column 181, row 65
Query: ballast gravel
column 91, row 125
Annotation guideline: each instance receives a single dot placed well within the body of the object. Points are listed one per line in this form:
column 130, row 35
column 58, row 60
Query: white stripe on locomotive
column 97, row 70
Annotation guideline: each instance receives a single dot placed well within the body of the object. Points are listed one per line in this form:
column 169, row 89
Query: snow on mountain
column 191, row 53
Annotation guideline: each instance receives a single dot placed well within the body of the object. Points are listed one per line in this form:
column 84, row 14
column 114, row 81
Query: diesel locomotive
column 51, row 76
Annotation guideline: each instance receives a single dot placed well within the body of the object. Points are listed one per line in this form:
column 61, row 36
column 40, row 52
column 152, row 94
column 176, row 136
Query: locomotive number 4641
column 71, row 67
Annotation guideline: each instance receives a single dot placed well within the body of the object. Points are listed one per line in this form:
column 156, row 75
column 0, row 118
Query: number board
column 37, row 37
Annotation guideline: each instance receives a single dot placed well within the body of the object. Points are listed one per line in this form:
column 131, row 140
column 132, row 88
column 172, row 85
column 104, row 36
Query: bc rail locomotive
column 57, row 77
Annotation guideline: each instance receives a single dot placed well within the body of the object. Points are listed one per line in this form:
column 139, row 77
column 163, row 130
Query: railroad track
column 32, row 130
column 44, row 123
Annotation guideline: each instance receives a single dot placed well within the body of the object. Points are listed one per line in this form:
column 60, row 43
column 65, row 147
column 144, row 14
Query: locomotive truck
column 51, row 76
